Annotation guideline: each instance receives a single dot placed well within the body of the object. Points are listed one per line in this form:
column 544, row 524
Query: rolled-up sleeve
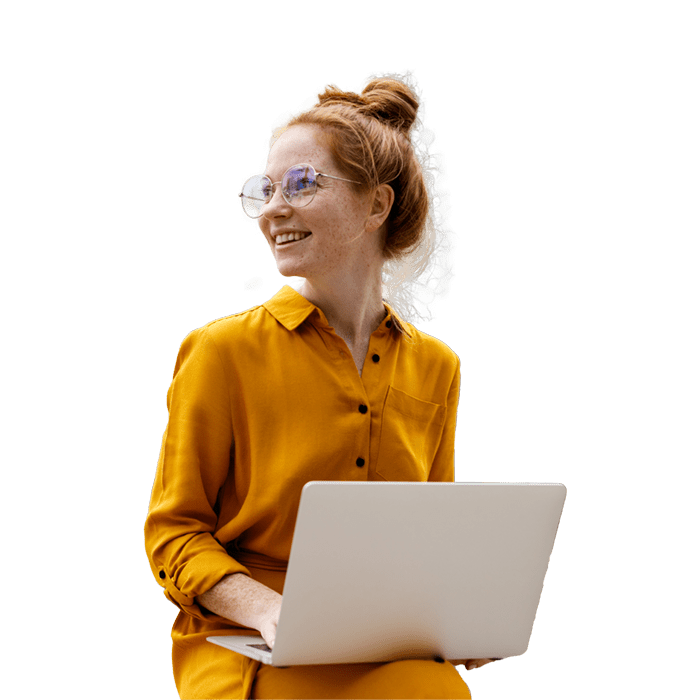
column 443, row 468
column 195, row 457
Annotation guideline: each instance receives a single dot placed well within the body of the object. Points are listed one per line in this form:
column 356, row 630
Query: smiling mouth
column 285, row 238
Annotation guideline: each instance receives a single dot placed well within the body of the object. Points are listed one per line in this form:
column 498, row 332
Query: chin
column 290, row 270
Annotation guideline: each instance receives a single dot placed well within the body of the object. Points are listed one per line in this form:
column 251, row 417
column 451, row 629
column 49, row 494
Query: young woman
column 324, row 383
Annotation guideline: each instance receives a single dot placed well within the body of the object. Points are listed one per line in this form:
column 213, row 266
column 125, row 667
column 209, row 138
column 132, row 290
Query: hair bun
column 392, row 101
column 386, row 99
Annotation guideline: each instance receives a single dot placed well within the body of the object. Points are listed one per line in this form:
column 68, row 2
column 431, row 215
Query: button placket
column 384, row 348
column 371, row 382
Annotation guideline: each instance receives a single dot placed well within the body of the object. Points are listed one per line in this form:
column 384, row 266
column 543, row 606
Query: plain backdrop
column 568, row 143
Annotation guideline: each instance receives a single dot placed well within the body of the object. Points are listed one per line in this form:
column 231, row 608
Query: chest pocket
column 409, row 438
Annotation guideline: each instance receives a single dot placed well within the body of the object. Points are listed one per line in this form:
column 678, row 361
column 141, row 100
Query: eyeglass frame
column 279, row 182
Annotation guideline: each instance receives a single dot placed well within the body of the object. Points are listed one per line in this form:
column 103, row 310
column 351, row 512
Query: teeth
column 295, row 236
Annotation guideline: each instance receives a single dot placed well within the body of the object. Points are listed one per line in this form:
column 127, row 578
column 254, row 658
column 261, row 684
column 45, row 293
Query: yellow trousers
column 399, row 679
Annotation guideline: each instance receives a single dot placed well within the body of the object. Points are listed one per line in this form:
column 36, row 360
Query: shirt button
column 161, row 574
column 375, row 358
column 389, row 323
column 360, row 462
column 363, row 408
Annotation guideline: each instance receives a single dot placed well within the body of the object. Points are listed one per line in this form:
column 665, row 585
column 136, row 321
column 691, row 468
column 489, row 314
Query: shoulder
column 239, row 334
column 240, row 324
column 428, row 347
column 236, row 326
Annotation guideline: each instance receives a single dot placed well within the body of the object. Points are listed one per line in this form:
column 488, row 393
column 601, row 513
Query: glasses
column 299, row 186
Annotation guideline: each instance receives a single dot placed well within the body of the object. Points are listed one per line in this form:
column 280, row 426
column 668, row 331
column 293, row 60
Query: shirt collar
column 291, row 309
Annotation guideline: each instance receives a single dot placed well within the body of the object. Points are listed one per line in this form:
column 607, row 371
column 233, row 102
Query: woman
column 327, row 383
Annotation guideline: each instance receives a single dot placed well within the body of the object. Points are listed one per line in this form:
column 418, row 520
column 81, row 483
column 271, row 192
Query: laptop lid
column 380, row 571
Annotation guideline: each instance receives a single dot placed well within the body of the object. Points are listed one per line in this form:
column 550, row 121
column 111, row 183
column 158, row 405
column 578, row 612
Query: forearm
column 241, row 599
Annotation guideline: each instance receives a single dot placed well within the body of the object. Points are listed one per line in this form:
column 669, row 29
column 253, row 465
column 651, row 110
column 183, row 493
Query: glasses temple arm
column 333, row 177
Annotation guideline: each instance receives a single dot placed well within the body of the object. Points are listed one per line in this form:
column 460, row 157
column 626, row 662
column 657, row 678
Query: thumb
column 269, row 632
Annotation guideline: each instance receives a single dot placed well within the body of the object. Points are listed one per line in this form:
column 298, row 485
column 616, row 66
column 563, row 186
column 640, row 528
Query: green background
column 569, row 132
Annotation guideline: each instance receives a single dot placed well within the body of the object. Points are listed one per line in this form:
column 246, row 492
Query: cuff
column 199, row 575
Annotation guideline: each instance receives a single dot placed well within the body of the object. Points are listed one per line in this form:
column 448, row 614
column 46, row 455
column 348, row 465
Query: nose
column 278, row 206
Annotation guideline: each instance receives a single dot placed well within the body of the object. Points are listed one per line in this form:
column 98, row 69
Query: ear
column 380, row 206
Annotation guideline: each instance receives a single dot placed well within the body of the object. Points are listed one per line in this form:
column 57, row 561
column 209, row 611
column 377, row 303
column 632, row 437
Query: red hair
column 369, row 137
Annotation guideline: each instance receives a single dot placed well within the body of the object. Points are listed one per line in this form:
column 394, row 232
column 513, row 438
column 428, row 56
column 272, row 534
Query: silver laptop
column 381, row 571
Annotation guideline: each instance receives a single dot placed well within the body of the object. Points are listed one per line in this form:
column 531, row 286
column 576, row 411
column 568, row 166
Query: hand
column 471, row 664
column 267, row 625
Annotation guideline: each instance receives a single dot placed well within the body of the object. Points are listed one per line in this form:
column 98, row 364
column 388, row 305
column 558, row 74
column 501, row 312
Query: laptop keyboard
column 262, row 647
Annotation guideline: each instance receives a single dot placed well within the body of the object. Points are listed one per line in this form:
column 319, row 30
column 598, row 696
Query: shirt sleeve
column 195, row 457
column 443, row 468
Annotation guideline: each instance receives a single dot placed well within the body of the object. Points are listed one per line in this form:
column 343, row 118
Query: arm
column 246, row 602
column 185, row 557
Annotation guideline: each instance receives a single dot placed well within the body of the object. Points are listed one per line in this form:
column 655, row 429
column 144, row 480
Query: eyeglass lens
column 298, row 189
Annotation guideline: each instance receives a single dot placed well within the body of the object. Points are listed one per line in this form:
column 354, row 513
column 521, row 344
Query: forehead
column 298, row 144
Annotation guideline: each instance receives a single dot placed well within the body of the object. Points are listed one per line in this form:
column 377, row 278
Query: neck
column 354, row 310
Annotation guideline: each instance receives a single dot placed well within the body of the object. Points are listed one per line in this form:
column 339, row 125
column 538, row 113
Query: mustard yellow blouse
column 266, row 400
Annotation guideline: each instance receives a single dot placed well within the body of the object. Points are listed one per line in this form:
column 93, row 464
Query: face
column 334, row 230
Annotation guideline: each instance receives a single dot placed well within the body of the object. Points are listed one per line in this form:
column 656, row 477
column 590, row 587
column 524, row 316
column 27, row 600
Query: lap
column 398, row 679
